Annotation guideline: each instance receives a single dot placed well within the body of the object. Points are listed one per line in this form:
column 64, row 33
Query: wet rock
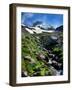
column 51, row 55
column 55, row 58
column 56, row 65
column 50, row 61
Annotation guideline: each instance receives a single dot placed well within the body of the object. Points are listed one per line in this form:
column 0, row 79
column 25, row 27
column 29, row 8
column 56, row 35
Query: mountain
column 60, row 28
column 43, row 26
column 27, row 29
column 37, row 23
column 35, row 29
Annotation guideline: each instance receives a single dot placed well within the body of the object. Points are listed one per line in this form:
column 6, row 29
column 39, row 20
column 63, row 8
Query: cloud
column 28, row 15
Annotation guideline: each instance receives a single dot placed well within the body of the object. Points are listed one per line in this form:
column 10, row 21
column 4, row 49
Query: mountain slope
column 60, row 28
column 33, row 57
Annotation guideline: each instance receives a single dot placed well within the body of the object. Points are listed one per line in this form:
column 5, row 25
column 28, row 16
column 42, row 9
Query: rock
column 54, row 37
column 53, row 70
column 31, row 60
column 56, row 65
column 46, row 59
column 51, row 55
column 54, row 62
column 50, row 61
column 41, row 56
column 24, row 74
column 36, row 73
column 61, row 72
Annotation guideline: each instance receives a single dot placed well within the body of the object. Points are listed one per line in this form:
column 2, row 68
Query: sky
column 54, row 20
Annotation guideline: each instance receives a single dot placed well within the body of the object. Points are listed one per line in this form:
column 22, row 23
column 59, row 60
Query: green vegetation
column 31, row 62
column 36, row 52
